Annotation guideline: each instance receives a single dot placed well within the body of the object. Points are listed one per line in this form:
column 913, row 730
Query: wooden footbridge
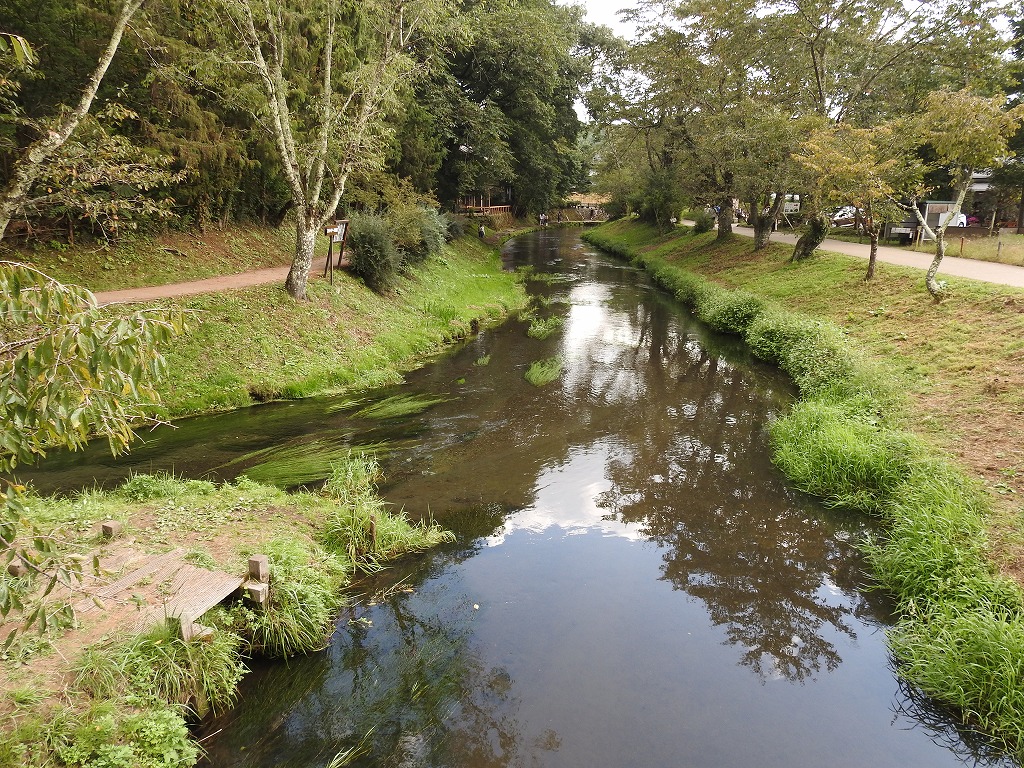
column 164, row 587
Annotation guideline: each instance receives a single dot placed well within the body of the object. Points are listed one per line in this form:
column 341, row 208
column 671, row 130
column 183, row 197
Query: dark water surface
column 634, row 585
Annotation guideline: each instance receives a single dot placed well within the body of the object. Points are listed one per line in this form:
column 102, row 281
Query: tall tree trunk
column 872, row 252
column 726, row 214
column 306, row 226
column 934, row 287
column 817, row 230
column 30, row 164
column 762, row 219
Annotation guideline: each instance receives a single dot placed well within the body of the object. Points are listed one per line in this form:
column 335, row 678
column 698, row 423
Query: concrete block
column 259, row 568
column 257, row 592
column 111, row 529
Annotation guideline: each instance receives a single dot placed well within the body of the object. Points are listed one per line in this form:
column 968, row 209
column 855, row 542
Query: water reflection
column 633, row 584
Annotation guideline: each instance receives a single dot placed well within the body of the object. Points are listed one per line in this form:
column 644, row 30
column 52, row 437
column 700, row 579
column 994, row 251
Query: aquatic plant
column 398, row 406
column 543, row 372
column 542, row 328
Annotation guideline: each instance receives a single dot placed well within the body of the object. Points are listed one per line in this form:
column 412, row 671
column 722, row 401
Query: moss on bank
column 960, row 631
column 126, row 698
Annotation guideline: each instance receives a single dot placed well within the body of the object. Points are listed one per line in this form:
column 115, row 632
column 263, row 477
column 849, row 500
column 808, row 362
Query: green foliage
column 361, row 527
column 161, row 667
column 541, row 328
column 142, row 488
column 305, row 595
column 545, row 371
column 703, row 221
column 815, row 353
column 846, row 462
column 375, row 255
column 730, row 311
column 69, row 368
column 155, row 738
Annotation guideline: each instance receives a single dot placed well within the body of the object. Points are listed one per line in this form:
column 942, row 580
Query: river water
column 633, row 584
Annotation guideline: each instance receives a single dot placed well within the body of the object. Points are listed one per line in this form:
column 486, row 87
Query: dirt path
column 191, row 288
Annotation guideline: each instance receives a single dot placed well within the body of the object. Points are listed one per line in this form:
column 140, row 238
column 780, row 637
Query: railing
column 487, row 209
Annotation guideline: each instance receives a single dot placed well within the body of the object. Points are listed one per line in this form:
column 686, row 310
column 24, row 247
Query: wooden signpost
column 338, row 233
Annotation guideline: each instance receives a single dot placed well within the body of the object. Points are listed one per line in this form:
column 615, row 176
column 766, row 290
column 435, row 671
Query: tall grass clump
column 545, row 371
column 361, row 526
column 542, row 328
column 960, row 634
column 305, row 596
column 160, row 666
column 848, row 463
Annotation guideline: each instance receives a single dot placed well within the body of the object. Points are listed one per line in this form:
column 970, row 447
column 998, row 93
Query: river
column 633, row 583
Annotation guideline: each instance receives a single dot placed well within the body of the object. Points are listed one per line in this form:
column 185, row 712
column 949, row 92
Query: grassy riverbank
column 257, row 344
column 102, row 695
column 98, row 694
column 892, row 389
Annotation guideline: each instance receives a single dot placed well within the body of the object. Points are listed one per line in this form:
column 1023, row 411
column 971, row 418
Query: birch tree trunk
column 341, row 131
column 32, row 161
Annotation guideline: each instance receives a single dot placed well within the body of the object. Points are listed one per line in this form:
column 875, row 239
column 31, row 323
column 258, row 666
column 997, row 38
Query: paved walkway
column 986, row 271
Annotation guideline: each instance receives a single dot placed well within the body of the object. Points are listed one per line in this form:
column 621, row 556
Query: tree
column 68, row 370
column 328, row 74
column 54, row 132
column 967, row 133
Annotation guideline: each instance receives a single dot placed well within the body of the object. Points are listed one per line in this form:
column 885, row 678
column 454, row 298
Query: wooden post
column 329, row 266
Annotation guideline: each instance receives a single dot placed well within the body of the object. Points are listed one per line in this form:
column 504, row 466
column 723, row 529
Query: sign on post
column 338, row 233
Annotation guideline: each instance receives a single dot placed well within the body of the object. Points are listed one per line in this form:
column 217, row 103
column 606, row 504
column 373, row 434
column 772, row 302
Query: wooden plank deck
column 163, row 587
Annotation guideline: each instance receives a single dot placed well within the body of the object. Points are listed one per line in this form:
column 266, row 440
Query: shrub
column 375, row 256
column 731, row 311
column 703, row 221
column 105, row 738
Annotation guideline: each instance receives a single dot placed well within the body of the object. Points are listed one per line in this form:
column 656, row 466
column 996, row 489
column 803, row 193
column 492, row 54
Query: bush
column 731, row 311
column 375, row 256
column 703, row 221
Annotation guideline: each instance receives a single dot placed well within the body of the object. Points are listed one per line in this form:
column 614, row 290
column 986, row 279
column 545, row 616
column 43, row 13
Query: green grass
column 960, row 636
column 258, row 344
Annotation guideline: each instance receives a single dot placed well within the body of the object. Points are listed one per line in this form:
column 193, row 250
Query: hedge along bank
column 960, row 632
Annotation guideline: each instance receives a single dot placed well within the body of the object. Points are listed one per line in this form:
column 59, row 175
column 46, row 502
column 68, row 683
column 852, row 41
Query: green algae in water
column 400, row 405
column 392, row 407
column 291, row 465
column 543, row 372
